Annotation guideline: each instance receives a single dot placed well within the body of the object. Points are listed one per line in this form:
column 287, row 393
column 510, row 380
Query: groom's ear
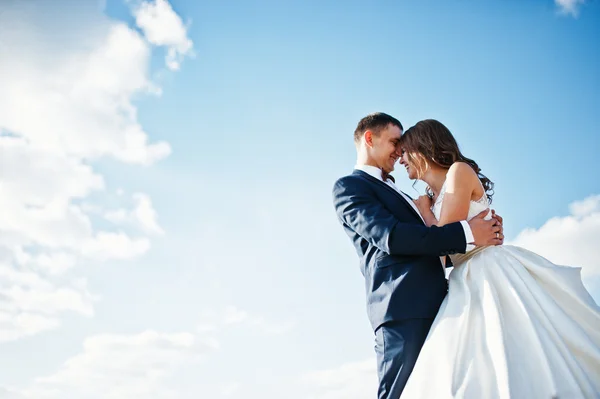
column 369, row 138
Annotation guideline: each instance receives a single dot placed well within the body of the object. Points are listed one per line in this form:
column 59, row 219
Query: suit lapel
column 381, row 183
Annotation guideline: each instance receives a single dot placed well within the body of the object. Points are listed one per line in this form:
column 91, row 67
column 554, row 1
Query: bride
column 513, row 324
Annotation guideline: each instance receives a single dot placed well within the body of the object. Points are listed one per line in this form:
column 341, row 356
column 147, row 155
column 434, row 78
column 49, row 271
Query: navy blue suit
column 399, row 258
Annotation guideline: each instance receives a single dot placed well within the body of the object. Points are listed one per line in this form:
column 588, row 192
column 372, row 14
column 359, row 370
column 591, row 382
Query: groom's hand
column 487, row 232
column 497, row 217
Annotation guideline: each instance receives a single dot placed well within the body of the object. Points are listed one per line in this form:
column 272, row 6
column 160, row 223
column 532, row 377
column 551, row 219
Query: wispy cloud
column 123, row 366
column 142, row 215
column 7, row 393
column 352, row 380
column 64, row 106
column 569, row 7
column 163, row 27
column 230, row 390
column 569, row 240
column 232, row 316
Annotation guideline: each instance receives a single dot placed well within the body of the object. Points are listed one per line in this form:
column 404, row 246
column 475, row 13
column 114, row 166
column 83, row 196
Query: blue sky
column 276, row 90
column 249, row 264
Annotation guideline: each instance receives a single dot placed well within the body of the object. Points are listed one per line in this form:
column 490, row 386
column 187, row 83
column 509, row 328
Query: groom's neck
column 363, row 159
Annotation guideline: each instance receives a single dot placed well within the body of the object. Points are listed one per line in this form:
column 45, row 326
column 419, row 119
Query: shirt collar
column 370, row 170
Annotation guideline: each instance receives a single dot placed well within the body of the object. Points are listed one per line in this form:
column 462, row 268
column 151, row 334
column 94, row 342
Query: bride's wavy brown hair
column 430, row 141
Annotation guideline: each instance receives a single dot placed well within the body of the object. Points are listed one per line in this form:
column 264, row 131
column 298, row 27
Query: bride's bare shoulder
column 462, row 171
column 462, row 174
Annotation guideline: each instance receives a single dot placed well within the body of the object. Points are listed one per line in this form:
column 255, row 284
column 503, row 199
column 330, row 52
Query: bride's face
column 408, row 161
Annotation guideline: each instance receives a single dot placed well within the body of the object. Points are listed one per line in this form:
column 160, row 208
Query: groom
column 399, row 255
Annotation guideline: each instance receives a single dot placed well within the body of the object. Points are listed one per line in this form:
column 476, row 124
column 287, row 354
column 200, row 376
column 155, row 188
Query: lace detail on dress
column 474, row 208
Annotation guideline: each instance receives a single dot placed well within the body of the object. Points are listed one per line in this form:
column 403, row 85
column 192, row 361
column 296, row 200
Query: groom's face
column 385, row 150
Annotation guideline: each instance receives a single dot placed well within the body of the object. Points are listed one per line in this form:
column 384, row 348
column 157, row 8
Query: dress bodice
column 475, row 207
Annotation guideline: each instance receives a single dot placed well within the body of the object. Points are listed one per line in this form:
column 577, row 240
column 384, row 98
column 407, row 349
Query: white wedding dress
column 514, row 325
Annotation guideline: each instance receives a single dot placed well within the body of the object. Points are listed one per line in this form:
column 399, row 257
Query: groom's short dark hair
column 375, row 122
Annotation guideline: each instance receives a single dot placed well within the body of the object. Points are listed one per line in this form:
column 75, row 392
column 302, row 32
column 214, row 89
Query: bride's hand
column 424, row 204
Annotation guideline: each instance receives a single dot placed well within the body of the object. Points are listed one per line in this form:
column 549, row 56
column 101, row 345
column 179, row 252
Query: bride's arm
column 424, row 205
column 461, row 183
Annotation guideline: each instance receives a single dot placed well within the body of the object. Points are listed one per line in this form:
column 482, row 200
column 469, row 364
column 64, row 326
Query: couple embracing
column 506, row 324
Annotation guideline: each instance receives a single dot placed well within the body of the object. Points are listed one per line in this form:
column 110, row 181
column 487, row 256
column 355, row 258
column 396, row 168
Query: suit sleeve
column 360, row 210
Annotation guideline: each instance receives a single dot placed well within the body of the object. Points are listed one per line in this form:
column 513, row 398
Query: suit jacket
column 399, row 255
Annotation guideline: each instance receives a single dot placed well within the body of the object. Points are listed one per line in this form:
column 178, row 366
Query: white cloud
column 108, row 245
column 570, row 240
column 82, row 101
column 231, row 316
column 54, row 262
column 143, row 215
column 6, row 393
column 30, row 303
column 570, row 7
column 586, row 207
column 123, row 367
column 355, row 380
column 230, row 389
column 204, row 328
column 273, row 328
column 163, row 27
column 68, row 90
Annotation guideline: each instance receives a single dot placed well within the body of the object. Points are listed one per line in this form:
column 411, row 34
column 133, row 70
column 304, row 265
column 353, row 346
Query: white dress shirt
column 376, row 173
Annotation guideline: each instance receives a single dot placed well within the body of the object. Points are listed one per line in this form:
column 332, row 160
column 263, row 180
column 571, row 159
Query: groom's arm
column 364, row 213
